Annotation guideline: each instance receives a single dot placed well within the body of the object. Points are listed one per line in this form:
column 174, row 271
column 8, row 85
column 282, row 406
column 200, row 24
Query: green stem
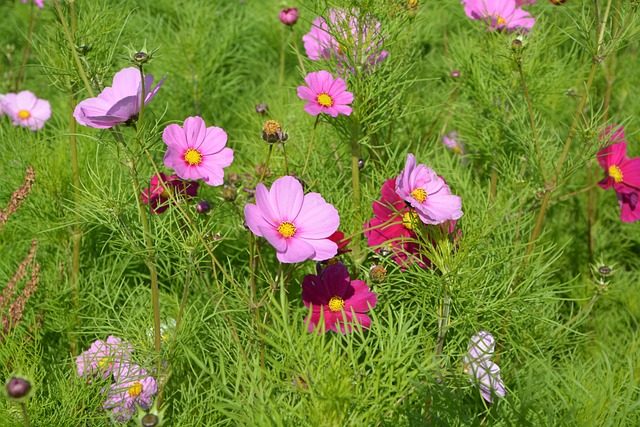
column 282, row 53
column 533, row 121
column 25, row 414
column 266, row 164
column 295, row 46
column 33, row 18
column 443, row 323
column 286, row 161
column 355, row 170
column 313, row 135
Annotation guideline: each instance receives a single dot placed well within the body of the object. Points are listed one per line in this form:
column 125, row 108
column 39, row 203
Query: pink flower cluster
column 133, row 385
column 500, row 14
column 25, row 109
column 621, row 173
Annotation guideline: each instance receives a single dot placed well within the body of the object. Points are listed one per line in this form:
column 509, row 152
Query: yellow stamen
column 499, row 20
column 193, row 157
column 419, row 195
column 615, row 173
column 325, row 100
column 104, row 362
column 287, row 229
column 457, row 150
column 336, row 304
column 24, row 114
column 409, row 219
column 135, row 389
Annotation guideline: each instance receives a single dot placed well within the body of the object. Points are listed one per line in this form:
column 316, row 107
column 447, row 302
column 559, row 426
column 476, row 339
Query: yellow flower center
column 409, row 220
column 24, row 114
column 193, row 157
column 419, row 195
column 325, row 100
column 287, row 229
column 135, row 389
column 457, row 150
column 336, row 304
column 499, row 20
column 615, row 173
column 104, row 362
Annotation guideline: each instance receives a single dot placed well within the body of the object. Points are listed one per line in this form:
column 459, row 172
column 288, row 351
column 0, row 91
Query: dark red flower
column 158, row 195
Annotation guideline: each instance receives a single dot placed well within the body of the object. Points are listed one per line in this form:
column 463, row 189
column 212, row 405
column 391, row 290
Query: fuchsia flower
column 499, row 14
column 39, row 3
column 195, row 151
column 289, row 16
column 26, row 110
column 325, row 95
column 133, row 387
column 337, row 300
column 427, row 193
column 352, row 39
column 119, row 103
column 104, row 357
column 298, row 226
column 158, row 195
column 478, row 364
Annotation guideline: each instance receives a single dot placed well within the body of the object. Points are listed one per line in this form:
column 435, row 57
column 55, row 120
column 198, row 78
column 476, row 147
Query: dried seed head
column 378, row 273
column 272, row 132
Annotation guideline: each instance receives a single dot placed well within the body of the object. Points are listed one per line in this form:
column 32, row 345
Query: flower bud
column 262, row 108
column 455, row 74
column 203, row 207
column 272, row 132
column 83, row 50
column 360, row 163
column 378, row 273
column 605, row 270
column 141, row 57
column 18, row 389
column 289, row 16
column 516, row 44
column 558, row 2
column 149, row 420
column 229, row 193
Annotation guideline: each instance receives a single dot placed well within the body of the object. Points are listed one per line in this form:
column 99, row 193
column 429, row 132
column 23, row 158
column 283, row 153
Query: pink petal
column 297, row 250
column 286, row 197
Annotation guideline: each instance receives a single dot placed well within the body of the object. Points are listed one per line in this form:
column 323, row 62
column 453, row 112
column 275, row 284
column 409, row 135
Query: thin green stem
column 443, row 323
column 266, row 164
column 313, row 135
column 295, row 46
column 578, row 315
column 33, row 18
column 355, row 170
column 282, row 57
column 286, row 161
column 25, row 414
column 533, row 121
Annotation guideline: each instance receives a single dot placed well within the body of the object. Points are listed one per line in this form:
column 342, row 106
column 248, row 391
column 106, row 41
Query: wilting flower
column 352, row 39
column 289, row 16
column 158, row 195
column 452, row 142
column 478, row 363
column 196, row 151
column 117, row 104
column 39, row 3
column 499, row 14
column 133, row 387
column 26, row 110
column 427, row 193
column 104, row 357
column 337, row 300
column 298, row 226
column 325, row 95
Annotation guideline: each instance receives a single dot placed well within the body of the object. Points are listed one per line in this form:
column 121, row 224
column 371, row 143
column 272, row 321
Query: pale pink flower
column 196, row 151
column 325, row 95
column 453, row 143
column 104, row 357
column 133, row 387
column 427, row 193
column 298, row 226
column 499, row 14
column 478, row 364
column 119, row 103
column 39, row 3
column 26, row 110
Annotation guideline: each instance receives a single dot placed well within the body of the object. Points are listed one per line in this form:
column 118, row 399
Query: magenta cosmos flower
column 427, row 193
column 297, row 225
column 336, row 300
column 158, row 195
column 119, row 103
column 325, row 95
column 478, row 364
column 26, row 110
column 196, row 151
column 39, row 3
column 133, row 387
column 289, row 16
column 499, row 14
column 104, row 357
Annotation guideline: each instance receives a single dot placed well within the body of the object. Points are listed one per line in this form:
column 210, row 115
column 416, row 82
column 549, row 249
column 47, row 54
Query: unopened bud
column 203, row 207
column 516, row 44
column 262, row 108
column 149, row 420
column 360, row 163
column 18, row 388
column 455, row 74
column 289, row 16
column 141, row 57
column 605, row 270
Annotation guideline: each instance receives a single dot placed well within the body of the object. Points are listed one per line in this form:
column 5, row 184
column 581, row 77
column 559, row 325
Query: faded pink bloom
column 196, row 151
column 297, row 225
column 158, row 195
column 325, row 95
column 478, row 364
column 499, row 14
column 104, row 357
column 39, row 3
column 336, row 300
column 427, row 193
column 26, row 110
column 133, row 387
column 288, row 16
column 119, row 103
column 453, row 143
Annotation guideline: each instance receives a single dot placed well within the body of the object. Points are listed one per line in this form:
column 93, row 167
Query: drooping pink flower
column 325, row 95
column 39, row 3
column 427, row 193
column 104, row 357
column 289, row 16
column 196, row 151
column 26, row 110
column 499, row 14
column 298, row 226
column 352, row 39
column 119, row 103
column 133, row 387
column 478, row 364
column 337, row 300
column 157, row 194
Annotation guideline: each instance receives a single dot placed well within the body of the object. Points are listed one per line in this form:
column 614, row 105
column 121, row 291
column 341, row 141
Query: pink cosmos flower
column 427, row 193
column 337, row 300
column 298, row 226
column 499, row 14
column 325, row 95
column 119, row 103
column 196, row 151
column 289, row 16
column 39, row 3
column 478, row 364
column 158, row 195
column 26, row 110
column 621, row 172
column 104, row 357
column 133, row 387
column 452, row 142
column 352, row 39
